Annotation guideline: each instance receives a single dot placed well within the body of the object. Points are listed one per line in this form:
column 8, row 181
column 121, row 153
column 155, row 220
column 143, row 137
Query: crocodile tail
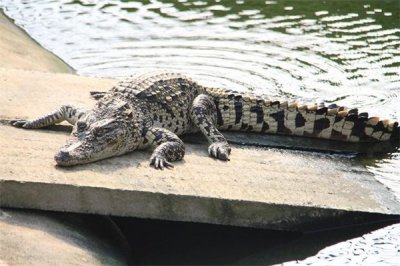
column 245, row 112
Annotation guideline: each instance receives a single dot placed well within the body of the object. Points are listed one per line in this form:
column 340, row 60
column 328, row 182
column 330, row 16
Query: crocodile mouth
column 64, row 158
column 82, row 152
column 71, row 154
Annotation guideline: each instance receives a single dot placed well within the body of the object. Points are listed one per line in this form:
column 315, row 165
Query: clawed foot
column 220, row 150
column 21, row 123
column 159, row 162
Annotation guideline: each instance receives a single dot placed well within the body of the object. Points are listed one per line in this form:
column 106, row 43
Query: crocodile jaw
column 81, row 152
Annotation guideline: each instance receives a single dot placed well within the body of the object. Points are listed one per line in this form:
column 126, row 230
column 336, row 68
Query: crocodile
column 154, row 109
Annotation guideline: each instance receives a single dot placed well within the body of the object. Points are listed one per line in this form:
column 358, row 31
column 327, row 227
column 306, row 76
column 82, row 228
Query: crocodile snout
column 62, row 157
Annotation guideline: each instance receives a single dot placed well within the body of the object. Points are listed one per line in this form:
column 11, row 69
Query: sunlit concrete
column 39, row 238
column 257, row 188
column 18, row 50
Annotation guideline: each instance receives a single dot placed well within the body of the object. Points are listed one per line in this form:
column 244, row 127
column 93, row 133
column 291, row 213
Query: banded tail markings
column 219, row 109
column 266, row 111
column 357, row 132
column 226, row 111
column 257, row 116
column 395, row 129
column 338, row 124
column 290, row 117
column 330, row 114
column 387, row 131
column 244, row 112
column 238, row 104
column 271, row 120
column 310, row 116
column 321, row 122
column 284, row 126
column 300, row 120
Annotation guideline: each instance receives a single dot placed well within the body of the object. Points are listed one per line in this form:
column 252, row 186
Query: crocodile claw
column 159, row 162
column 20, row 123
column 220, row 150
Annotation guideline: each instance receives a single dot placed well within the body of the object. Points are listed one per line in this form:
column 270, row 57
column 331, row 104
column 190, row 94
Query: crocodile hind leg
column 203, row 114
column 169, row 147
column 65, row 112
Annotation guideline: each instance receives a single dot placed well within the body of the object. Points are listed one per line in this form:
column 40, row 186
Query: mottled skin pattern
column 154, row 109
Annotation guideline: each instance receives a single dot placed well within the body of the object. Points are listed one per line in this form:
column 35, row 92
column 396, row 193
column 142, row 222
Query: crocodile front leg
column 169, row 147
column 203, row 114
column 65, row 112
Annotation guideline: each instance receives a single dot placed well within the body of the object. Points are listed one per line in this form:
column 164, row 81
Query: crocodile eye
column 81, row 125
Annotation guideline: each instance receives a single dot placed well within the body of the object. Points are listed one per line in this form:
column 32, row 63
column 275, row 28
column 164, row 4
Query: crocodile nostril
column 62, row 156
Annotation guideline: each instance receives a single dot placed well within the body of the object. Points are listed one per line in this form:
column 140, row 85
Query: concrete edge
column 95, row 200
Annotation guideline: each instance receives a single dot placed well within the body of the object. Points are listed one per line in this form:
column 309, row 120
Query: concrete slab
column 18, row 50
column 257, row 188
column 38, row 238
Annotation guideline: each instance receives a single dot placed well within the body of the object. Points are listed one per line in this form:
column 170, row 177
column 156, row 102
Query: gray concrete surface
column 257, row 188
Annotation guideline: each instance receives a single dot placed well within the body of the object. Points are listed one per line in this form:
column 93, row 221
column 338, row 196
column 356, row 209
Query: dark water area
column 347, row 52
column 153, row 242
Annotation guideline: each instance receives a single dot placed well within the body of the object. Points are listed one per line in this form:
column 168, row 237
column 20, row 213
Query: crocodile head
column 107, row 130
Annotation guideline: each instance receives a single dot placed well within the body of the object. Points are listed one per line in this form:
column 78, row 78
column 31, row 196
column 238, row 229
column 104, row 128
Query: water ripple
column 250, row 49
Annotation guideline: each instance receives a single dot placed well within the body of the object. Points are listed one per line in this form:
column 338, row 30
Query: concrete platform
column 42, row 238
column 257, row 188
column 19, row 50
